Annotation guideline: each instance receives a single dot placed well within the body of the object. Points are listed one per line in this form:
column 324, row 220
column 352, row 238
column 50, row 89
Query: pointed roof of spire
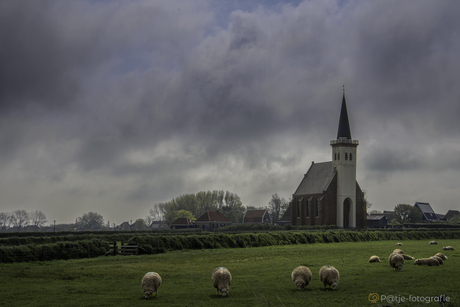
column 344, row 126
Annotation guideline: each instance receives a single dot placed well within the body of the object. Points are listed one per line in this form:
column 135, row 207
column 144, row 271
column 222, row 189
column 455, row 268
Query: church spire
column 344, row 126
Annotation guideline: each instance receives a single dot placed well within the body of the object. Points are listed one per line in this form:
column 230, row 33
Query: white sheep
column 433, row 242
column 399, row 244
column 442, row 256
column 329, row 276
column 150, row 284
column 374, row 259
column 427, row 261
column 398, row 251
column 221, row 279
column 301, row 276
column 448, row 248
column 396, row 261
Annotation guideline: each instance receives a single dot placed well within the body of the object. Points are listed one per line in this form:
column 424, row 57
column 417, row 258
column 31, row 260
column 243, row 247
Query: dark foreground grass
column 261, row 277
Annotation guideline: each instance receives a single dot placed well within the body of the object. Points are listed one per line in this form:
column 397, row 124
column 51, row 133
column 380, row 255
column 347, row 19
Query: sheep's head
column 147, row 294
column 417, row 261
column 300, row 284
column 224, row 291
column 334, row 285
column 399, row 267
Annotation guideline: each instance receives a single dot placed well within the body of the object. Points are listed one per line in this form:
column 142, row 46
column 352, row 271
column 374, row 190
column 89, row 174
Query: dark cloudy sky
column 112, row 106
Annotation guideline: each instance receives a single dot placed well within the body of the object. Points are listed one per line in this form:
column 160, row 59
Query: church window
column 351, row 156
column 308, row 207
column 318, row 203
column 335, row 156
column 338, row 156
column 299, row 201
column 346, row 156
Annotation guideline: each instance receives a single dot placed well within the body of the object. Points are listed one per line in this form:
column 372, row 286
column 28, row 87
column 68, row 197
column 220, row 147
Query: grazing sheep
column 374, row 259
column 301, row 276
column 408, row 257
column 398, row 251
column 442, row 256
column 396, row 261
column 398, row 244
column 329, row 276
column 448, row 248
column 438, row 258
column 150, row 284
column 433, row 242
column 221, row 279
column 427, row 261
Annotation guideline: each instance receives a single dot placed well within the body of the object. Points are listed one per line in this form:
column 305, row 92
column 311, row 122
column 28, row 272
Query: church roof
column 427, row 211
column 254, row 216
column 344, row 125
column 317, row 179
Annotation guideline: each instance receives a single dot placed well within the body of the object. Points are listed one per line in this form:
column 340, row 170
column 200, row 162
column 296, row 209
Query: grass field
column 261, row 277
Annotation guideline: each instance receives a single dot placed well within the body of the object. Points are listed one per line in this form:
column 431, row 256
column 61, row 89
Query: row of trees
column 193, row 206
column 21, row 218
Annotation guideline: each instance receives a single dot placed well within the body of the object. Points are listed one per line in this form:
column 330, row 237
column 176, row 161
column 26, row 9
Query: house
column 450, row 214
column 211, row 220
column 376, row 221
column 389, row 215
column 158, row 225
column 427, row 212
column 256, row 217
column 182, row 223
column 329, row 193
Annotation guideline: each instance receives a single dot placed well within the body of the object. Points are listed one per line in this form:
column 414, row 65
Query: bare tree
column 20, row 218
column 5, row 220
column 276, row 206
column 38, row 218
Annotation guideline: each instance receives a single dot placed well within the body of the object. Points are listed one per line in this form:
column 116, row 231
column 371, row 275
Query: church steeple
column 344, row 126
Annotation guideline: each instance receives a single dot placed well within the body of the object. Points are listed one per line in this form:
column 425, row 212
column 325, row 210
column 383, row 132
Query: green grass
column 261, row 277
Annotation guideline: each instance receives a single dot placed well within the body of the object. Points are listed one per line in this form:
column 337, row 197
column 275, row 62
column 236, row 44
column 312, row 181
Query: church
column 329, row 193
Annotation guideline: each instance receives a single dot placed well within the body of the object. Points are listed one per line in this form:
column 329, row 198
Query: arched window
column 298, row 206
column 318, row 203
column 308, row 207
column 338, row 156
column 351, row 156
column 335, row 156
column 346, row 156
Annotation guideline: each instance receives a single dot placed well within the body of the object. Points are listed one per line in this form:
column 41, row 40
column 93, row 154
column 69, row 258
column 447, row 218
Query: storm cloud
column 112, row 106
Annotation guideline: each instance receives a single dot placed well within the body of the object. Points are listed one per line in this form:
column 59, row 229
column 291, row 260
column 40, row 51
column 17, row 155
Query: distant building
column 427, row 212
column 158, row 225
column 376, row 221
column 182, row 223
column 450, row 214
column 329, row 193
column 389, row 215
column 211, row 220
column 256, row 217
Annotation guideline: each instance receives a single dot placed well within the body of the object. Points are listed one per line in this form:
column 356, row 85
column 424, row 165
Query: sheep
column 398, row 244
column 438, row 258
column 427, row 261
column 396, row 261
column 301, row 276
column 448, row 248
column 150, row 284
column 398, row 251
column 442, row 256
column 221, row 279
column 329, row 276
column 433, row 242
column 408, row 257
column 374, row 259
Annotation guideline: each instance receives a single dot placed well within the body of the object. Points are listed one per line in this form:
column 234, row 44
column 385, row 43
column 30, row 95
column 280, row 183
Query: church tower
column 344, row 164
